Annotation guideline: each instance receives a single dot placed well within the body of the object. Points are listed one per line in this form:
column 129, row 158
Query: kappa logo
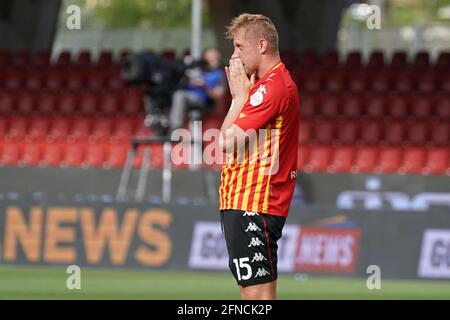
column 255, row 242
column 261, row 272
column 258, row 257
column 252, row 227
column 250, row 213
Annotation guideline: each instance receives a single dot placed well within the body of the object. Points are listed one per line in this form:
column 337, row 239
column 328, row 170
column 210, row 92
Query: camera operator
column 203, row 90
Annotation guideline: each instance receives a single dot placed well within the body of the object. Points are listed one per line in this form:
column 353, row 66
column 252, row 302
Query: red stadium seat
column 94, row 156
column 335, row 82
column 375, row 107
column 123, row 129
column 74, row 79
column 357, row 82
column 307, row 106
column 444, row 84
column 7, row 103
column 101, row 129
column 328, row 106
column 421, row 60
column 342, row 159
column 10, row 153
column 330, row 59
column 42, row 58
column 73, row 155
column 413, row 161
column 305, row 132
column 380, row 82
column 324, row 131
column 426, row 83
column 319, row 157
column 81, row 127
column 443, row 61
column 46, row 103
column 302, row 156
column 397, row 107
column 421, row 108
column 17, row 128
column 88, row 103
column 5, row 58
column 394, row 133
column 14, row 78
column 34, row 79
column 437, row 161
column 54, row 79
column 83, row 59
column 3, row 126
column 366, row 159
column 442, row 110
column 115, row 155
column 105, row 59
column 51, row 155
column 114, row 79
column 370, row 132
column 376, row 60
column 64, row 59
column 403, row 82
column 389, row 160
column 440, row 133
column 38, row 129
column 399, row 60
column 59, row 129
column 109, row 103
column 347, row 132
column 132, row 102
column 351, row 106
column 67, row 103
column 30, row 156
column 353, row 60
column 22, row 58
column 308, row 59
column 25, row 102
column 417, row 133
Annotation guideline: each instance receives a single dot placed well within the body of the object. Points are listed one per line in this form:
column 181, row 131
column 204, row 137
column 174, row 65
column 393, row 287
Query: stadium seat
column 94, row 156
column 51, row 155
column 413, row 160
column 302, row 156
column 25, row 102
column 417, row 133
column 13, row 78
column 64, row 59
column 115, row 156
column 95, row 78
column 347, row 132
column 59, row 129
column 374, row 107
column 353, row 60
column 399, row 60
column 74, row 79
column 380, row 82
column 109, row 103
column 370, row 132
column 335, row 82
column 42, row 58
column 421, row 60
column 101, row 129
column 73, row 155
column 123, row 129
column 351, row 106
column 54, row 79
column 3, row 126
column 440, row 133
column 403, row 82
column 357, row 82
column 389, row 160
column 38, row 128
column 22, row 58
column 330, row 59
column 83, row 59
column 33, row 79
column 376, row 60
column 46, row 103
column 17, row 128
column 397, row 107
column 442, row 109
column 132, row 102
column 307, row 106
column 318, row 159
column 67, row 103
column 88, row 103
column 114, row 79
column 305, row 132
column 324, row 132
column 10, row 153
column 328, row 106
column 5, row 58
column 105, row 59
column 308, row 58
column 421, row 108
column 366, row 159
column 437, row 161
column 426, row 83
column 342, row 159
column 7, row 105
column 80, row 131
column 30, row 156
column 394, row 133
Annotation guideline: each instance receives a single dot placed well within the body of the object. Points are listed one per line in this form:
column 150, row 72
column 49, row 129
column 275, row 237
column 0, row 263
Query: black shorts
column 252, row 245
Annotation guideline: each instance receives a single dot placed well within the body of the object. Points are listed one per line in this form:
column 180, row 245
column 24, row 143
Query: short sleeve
column 260, row 108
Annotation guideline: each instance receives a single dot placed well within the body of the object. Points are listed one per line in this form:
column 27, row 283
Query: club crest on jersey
column 258, row 96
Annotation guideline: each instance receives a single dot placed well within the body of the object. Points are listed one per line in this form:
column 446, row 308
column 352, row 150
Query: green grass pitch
column 50, row 283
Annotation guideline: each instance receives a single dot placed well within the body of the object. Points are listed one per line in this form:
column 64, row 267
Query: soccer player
column 260, row 139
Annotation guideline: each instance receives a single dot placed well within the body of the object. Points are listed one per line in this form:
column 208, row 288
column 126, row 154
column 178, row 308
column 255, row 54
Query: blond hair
column 257, row 25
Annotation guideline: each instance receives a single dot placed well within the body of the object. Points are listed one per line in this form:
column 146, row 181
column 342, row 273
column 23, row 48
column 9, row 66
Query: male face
column 247, row 49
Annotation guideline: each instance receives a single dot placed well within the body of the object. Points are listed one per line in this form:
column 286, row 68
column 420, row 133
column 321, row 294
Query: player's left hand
column 238, row 80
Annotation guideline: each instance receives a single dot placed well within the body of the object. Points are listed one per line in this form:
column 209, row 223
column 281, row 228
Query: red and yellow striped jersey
column 263, row 179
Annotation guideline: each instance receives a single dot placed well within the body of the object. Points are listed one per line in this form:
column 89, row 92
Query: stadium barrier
column 316, row 240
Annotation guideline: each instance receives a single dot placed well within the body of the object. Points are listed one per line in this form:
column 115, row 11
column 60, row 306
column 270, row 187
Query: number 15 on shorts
column 241, row 263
